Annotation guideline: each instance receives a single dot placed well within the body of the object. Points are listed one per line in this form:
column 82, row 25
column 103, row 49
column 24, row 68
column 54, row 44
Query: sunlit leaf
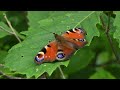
column 41, row 26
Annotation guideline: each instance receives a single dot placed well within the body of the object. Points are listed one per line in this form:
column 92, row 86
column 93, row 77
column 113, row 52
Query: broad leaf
column 41, row 24
column 80, row 60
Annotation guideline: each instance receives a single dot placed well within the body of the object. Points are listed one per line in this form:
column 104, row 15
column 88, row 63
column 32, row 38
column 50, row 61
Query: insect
column 63, row 47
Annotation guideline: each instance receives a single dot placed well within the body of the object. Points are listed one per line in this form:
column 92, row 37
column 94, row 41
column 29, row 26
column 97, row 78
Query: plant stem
column 63, row 76
column 9, row 24
column 109, row 38
column 107, row 29
column 111, row 44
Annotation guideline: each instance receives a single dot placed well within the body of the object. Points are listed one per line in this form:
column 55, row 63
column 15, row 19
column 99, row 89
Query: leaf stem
column 63, row 76
column 84, row 19
column 9, row 24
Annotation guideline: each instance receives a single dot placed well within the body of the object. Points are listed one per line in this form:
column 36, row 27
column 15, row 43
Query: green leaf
column 117, row 24
column 41, row 24
column 2, row 32
column 34, row 17
column 102, row 74
column 23, row 58
column 5, row 70
column 80, row 60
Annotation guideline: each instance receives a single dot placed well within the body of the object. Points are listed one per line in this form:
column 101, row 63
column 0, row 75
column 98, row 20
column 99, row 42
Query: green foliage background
column 34, row 28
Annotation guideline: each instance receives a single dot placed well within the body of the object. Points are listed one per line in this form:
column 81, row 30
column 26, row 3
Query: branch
column 107, row 29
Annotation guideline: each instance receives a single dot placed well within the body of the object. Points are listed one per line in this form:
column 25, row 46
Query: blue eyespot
column 61, row 55
column 39, row 60
column 82, row 40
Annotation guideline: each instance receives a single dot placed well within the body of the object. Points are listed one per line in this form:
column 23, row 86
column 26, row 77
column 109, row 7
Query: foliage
column 34, row 29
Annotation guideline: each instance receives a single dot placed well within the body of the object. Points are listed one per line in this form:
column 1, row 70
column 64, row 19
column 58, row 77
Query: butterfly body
column 62, row 47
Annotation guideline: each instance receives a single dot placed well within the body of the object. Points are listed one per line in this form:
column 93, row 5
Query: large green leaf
column 80, row 60
column 41, row 24
column 34, row 21
column 117, row 24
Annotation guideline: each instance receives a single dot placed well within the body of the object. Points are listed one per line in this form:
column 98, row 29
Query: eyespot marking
column 60, row 56
column 82, row 40
column 39, row 58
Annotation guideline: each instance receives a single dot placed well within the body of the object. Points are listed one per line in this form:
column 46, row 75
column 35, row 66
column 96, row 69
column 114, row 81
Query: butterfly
column 63, row 47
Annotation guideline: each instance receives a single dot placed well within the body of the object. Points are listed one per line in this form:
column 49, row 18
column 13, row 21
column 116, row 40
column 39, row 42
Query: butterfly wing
column 76, row 36
column 63, row 47
column 64, row 51
column 47, row 54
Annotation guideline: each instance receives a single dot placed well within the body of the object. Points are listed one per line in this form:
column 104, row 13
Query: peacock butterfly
column 62, row 47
